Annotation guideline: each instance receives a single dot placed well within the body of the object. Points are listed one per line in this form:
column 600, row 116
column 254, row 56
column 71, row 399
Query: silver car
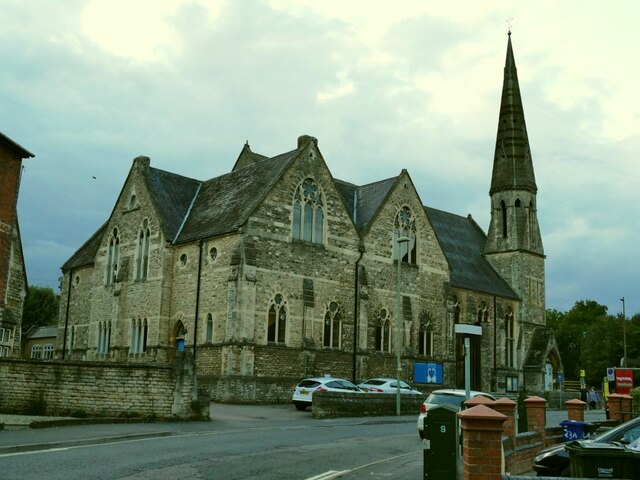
column 386, row 385
column 452, row 396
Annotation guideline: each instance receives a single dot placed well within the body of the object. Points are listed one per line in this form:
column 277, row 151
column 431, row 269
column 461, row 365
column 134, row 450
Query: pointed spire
column 512, row 164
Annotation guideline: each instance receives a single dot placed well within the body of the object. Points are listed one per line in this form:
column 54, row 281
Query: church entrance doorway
column 475, row 358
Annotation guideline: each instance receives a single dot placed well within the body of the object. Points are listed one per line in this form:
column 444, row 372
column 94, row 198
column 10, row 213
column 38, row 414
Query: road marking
column 331, row 474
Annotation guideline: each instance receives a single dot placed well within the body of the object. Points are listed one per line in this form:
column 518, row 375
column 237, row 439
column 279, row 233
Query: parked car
column 386, row 385
column 554, row 461
column 451, row 396
column 303, row 393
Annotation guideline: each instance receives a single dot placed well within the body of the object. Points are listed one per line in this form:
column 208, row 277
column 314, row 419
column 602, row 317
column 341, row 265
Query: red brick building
column 13, row 278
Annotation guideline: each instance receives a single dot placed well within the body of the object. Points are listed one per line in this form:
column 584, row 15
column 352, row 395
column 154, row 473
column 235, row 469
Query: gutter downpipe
column 195, row 324
column 66, row 315
column 356, row 313
column 495, row 340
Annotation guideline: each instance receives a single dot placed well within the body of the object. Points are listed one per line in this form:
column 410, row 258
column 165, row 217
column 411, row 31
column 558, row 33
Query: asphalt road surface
column 241, row 442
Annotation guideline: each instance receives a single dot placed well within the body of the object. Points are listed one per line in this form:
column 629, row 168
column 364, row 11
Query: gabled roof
column 10, row 144
column 172, row 195
column 226, row 202
column 463, row 243
column 86, row 254
column 47, row 331
column 367, row 199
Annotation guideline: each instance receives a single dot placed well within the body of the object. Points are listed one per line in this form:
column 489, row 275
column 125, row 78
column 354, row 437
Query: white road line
column 331, row 474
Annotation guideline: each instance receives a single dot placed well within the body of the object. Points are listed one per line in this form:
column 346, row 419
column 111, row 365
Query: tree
column 40, row 307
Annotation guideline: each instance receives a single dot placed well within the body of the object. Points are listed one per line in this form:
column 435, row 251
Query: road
column 241, row 442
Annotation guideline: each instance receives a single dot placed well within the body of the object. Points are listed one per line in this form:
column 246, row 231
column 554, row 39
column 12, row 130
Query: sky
column 88, row 85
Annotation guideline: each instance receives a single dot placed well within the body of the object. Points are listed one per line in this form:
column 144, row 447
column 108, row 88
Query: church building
column 278, row 271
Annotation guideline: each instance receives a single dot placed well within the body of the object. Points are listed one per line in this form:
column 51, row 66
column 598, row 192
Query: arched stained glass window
column 277, row 320
column 404, row 237
column 332, row 327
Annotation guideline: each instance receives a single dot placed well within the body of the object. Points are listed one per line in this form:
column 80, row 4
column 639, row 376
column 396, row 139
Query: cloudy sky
column 87, row 85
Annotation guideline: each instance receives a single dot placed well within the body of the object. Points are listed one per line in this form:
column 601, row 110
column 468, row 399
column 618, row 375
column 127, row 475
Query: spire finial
column 509, row 22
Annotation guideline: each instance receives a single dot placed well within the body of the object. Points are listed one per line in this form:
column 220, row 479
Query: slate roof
column 47, row 331
column 368, row 199
column 463, row 243
column 224, row 203
column 172, row 195
column 87, row 252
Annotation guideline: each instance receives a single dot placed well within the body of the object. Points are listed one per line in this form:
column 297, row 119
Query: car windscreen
column 308, row 384
column 441, row 398
column 375, row 382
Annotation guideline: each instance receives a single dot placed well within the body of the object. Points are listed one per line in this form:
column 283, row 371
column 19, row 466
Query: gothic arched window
column 112, row 258
column 332, row 327
column 383, row 332
column 308, row 213
column 425, row 340
column 503, row 212
column 142, row 260
column 277, row 320
column 509, row 350
column 209, row 333
column 404, row 227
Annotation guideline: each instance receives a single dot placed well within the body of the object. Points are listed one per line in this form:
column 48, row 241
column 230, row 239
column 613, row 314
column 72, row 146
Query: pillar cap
column 615, row 395
column 535, row 400
column 481, row 412
column 504, row 401
column 574, row 402
column 479, row 400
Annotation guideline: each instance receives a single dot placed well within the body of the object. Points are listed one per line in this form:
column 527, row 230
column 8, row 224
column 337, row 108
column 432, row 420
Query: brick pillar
column 575, row 409
column 479, row 400
column 625, row 408
column 537, row 416
column 615, row 406
column 481, row 443
column 507, row 407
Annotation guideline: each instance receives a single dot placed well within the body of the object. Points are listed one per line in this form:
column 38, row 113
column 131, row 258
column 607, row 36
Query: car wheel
column 300, row 406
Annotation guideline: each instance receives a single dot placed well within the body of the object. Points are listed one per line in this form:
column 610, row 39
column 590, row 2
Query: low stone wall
column 334, row 404
column 248, row 390
column 100, row 389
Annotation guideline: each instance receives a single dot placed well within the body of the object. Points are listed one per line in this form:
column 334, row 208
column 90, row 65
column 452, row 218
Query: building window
column 142, row 260
column 36, row 351
column 133, row 201
column 483, row 313
column 425, row 340
column 332, row 327
column 509, row 339
column 277, row 320
column 139, row 329
column 405, row 227
column 183, row 260
column 213, row 253
column 113, row 255
column 383, row 332
column 503, row 212
column 72, row 338
column 512, row 384
column 209, row 336
column 308, row 213
column 457, row 311
column 104, row 338
column 5, row 341
column 47, row 351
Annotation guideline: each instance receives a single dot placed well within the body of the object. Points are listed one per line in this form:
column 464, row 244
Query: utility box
column 441, row 443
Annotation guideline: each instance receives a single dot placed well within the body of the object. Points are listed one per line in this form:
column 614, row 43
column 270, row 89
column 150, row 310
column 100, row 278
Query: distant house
column 39, row 342
column 13, row 277
column 278, row 270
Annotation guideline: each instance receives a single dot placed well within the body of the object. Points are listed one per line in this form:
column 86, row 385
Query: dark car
column 554, row 461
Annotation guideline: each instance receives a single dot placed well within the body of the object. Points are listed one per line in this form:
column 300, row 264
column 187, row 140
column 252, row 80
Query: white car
column 452, row 396
column 302, row 394
column 387, row 385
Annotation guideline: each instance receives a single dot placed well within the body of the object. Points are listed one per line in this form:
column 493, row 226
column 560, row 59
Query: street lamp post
column 624, row 334
column 401, row 241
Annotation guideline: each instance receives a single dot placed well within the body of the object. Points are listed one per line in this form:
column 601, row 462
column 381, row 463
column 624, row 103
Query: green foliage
column 589, row 339
column 635, row 401
column 40, row 307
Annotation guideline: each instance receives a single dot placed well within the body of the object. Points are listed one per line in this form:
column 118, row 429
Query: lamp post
column 624, row 334
column 401, row 241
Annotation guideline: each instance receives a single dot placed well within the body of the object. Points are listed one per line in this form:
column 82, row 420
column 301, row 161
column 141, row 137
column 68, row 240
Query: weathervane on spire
column 509, row 22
